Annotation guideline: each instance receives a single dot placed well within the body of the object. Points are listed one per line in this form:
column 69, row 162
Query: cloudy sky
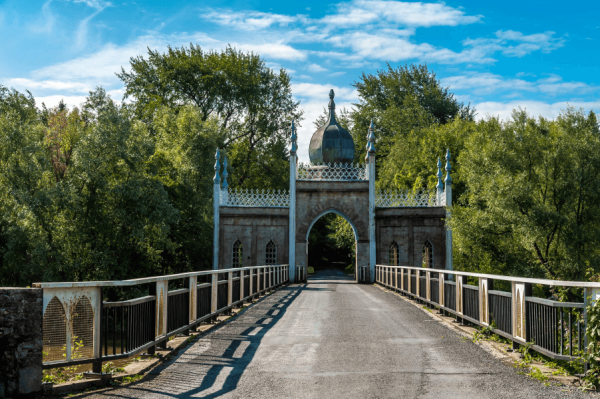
column 539, row 55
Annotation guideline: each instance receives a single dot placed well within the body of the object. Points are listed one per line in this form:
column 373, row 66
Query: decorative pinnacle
column 440, row 185
column 371, row 139
column 448, row 167
column 294, row 138
column 217, row 178
column 225, row 174
column 331, row 107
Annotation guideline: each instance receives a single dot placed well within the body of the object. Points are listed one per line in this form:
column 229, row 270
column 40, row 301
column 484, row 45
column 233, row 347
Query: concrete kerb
column 84, row 386
column 496, row 349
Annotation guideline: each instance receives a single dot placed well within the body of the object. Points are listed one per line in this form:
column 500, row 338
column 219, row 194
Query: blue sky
column 539, row 55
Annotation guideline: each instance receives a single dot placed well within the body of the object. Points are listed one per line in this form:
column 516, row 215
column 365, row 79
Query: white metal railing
column 400, row 199
column 332, row 172
column 555, row 329
column 80, row 328
column 255, row 198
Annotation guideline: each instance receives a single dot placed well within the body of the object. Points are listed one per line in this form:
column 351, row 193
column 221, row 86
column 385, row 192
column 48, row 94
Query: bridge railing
column 79, row 328
column 555, row 329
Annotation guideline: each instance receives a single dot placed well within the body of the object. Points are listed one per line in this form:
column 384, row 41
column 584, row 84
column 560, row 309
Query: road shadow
column 213, row 366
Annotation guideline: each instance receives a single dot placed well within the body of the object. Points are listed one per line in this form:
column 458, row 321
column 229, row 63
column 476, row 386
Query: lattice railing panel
column 332, row 172
column 251, row 198
column 399, row 199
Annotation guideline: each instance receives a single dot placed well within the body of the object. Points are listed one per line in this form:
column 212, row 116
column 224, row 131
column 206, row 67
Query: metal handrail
column 75, row 311
column 557, row 329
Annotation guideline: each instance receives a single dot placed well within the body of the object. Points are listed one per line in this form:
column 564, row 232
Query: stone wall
column 254, row 228
column 20, row 341
column 348, row 198
column 410, row 228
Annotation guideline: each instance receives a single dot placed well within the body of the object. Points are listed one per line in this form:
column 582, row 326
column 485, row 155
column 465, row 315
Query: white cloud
column 82, row 29
column 534, row 108
column 362, row 12
column 391, row 48
column 47, row 20
column 100, row 67
column 248, row 20
column 272, row 50
column 315, row 91
column 315, row 68
column 28, row 84
column 487, row 83
column 516, row 44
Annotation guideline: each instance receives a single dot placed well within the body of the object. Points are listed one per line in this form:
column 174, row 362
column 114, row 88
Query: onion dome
column 331, row 143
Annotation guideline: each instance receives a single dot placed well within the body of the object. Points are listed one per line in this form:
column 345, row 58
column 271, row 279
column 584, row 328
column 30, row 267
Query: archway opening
column 331, row 243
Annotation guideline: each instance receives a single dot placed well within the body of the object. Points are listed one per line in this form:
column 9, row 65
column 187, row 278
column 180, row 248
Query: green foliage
column 93, row 195
column 331, row 242
column 592, row 353
column 532, row 199
column 401, row 100
column 252, row 104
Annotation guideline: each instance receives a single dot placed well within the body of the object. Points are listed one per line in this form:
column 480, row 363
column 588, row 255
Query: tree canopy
column 252, row 103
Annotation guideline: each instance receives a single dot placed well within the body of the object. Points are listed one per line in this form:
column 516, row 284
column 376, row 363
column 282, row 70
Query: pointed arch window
column 394, row 254
column 271, row 253
column 238, row 254
column 428, row 254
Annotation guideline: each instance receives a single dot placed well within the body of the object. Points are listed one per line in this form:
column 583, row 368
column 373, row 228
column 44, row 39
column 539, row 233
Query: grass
column 528, row 356
column 349, row 269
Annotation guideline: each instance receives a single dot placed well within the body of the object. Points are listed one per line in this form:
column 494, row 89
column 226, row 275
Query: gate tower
column 258, row 227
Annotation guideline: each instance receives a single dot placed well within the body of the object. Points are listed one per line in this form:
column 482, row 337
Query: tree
column 183, row 162
column 252, row 103
column 401, row 100
column 532, row 199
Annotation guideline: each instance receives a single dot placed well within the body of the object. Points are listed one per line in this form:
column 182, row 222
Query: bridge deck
column 333, row 338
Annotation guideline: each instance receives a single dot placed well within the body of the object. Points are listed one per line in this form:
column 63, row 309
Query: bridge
column 326, row 336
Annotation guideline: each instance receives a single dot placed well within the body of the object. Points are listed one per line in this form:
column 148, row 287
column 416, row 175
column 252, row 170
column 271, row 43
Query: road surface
column 333, row 338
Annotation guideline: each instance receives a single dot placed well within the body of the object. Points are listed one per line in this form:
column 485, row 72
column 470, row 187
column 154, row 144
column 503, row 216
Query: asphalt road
column 332, row 338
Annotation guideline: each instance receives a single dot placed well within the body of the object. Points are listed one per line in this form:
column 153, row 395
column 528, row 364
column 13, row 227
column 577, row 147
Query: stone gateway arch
column 258, row 227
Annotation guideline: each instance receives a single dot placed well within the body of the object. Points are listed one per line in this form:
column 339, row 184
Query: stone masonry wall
column 20, row 341
column 254, row 227
column 313, row 198
column 410, row 228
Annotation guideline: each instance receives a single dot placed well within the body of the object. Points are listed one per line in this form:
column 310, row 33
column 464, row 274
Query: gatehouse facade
column 258, row 227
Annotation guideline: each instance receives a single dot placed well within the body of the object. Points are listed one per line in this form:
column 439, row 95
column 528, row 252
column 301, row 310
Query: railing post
column 519, row 316
column 396, row 278
column 408, row 276
column 242, row 283
column 213, row 302
column 192, row 282
column 97, row 365
column 484, row 313
column 418, row 283
column 251, row 293
column 442, row 303
column 460, row 280
column 427, row 285
column 162, row 290
column 402, row 279
column 152, row 291
column 229, row 290
column 264, row 270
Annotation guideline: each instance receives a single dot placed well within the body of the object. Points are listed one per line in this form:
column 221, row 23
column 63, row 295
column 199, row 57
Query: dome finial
column 331, row 143
column 331, row 107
